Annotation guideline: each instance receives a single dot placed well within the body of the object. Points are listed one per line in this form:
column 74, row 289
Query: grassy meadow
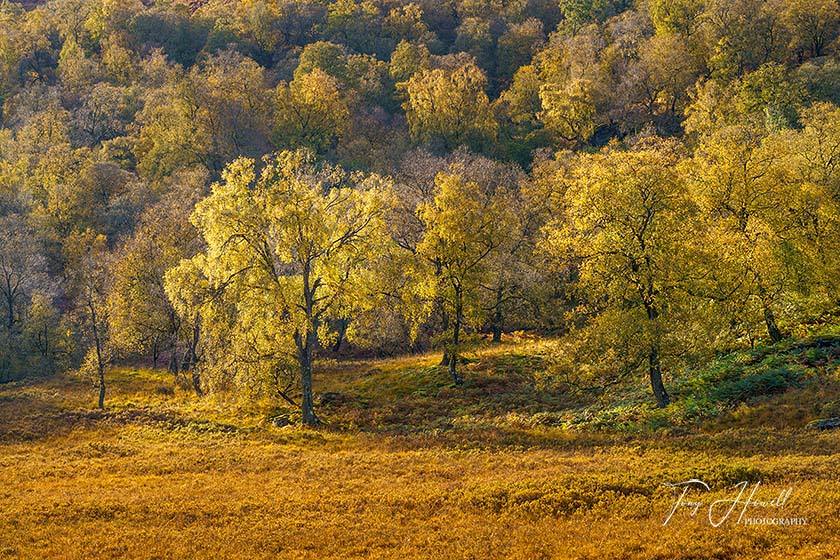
column 409, row 466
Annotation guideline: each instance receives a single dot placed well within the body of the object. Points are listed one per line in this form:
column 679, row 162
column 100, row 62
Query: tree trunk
column 772, row 328
column 456, row 334
column 173, row 361
column 100, row 362
column 43, row 342
column 196, row 381
column 304, row 344
column 655, row 364
column 101, row 387
column 10, row 302
column 453, row 365
column 446, row 354
column 196, row 376
column 498, row 318
column 497, row 333
column 655, row 368
column 155, row 355
column 342, row 329
column 769, row 317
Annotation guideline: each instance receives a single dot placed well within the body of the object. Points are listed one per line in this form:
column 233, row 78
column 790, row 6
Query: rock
column 825, row 424
column 280, row 421
column 334, row 399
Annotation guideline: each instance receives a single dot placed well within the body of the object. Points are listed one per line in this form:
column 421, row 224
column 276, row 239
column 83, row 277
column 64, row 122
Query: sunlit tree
column 625, row 223
column 288, row 247
column 450, row 107
column 465, row 225
column 311, row 112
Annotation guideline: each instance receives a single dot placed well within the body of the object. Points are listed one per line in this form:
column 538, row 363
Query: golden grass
column 162, row 476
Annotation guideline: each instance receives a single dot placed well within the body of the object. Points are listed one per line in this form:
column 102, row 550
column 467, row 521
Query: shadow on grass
column 37, row 410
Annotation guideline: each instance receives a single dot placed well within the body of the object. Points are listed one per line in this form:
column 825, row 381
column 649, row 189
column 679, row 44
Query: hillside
column 419, row 278
column 409, row 466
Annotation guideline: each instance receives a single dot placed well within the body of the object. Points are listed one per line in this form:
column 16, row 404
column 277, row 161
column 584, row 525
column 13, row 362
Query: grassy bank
column 412, row 467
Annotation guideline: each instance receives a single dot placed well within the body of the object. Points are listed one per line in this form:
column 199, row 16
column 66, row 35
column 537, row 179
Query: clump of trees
column 231, row 189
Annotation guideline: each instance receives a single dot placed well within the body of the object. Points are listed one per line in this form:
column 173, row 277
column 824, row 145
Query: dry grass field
column 408, row 467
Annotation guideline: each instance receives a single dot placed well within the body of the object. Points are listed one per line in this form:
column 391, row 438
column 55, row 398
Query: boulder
column 825, row 424
column 334, row 399
column 280, row 421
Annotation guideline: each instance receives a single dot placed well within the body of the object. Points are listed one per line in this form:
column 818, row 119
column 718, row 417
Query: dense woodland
column 233, row 188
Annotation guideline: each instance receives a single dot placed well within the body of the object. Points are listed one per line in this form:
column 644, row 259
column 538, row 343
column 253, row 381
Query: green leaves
column 450, row 107
column 288, row 249
column 311, row 112
column 626, row 223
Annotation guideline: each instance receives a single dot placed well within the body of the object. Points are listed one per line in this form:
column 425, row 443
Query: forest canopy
column 233, row 188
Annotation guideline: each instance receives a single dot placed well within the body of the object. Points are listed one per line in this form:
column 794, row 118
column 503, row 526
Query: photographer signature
column 720, row 510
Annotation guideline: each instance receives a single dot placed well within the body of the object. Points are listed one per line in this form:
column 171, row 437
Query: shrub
column 767, row 382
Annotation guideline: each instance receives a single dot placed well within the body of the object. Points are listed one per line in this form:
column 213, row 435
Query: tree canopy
column 239, row 189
